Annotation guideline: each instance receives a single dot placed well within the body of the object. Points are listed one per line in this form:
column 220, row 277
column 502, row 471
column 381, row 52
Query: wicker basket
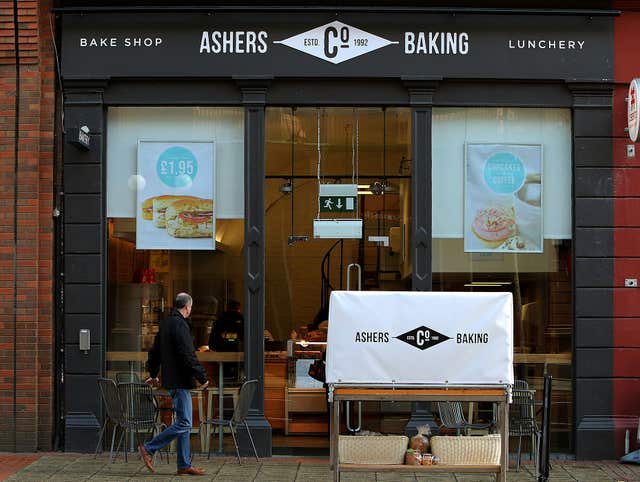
column 372, row 449
column 467, row 450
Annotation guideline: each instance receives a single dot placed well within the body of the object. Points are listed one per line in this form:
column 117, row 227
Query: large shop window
column 502, row 222
column 175, row 208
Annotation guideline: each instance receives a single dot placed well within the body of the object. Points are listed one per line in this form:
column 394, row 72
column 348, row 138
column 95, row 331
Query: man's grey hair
column 182, row 300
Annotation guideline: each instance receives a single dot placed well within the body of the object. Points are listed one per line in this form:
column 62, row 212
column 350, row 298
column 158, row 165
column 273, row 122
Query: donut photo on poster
column 503, row 198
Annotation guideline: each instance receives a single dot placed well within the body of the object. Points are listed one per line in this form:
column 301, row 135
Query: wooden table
column 495, row 395
column 219, row 357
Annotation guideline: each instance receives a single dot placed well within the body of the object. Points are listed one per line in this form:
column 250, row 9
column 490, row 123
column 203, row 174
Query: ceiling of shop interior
column 383, row 140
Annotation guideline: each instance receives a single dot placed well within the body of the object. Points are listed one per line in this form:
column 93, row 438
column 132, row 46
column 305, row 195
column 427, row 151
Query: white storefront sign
column 633, row 109
column 420, row 338
column 335, row 42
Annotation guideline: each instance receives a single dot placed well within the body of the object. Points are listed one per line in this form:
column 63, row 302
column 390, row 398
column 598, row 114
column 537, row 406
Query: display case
column 305, row 398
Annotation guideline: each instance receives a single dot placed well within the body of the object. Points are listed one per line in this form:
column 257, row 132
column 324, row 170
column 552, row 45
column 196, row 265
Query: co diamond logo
column 335, row 42
column 422, row 337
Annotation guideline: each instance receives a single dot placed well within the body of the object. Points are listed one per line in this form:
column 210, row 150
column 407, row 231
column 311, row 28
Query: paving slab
column 75, row 467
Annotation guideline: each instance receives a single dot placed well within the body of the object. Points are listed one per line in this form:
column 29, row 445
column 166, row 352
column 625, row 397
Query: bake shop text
column 121, row 42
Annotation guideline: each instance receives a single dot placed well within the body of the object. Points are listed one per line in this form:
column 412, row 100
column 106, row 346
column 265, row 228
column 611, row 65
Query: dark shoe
column 191, row 471
column 146, row 457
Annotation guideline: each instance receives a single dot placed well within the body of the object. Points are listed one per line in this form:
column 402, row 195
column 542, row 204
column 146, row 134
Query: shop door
column 307, row 148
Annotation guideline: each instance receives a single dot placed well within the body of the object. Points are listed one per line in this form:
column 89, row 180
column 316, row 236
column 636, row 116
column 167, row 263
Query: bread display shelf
column 498, row 395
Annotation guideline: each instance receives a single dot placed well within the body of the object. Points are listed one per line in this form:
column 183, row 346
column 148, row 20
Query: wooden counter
column 203, row 356
column 542, row 358
column 275, row 381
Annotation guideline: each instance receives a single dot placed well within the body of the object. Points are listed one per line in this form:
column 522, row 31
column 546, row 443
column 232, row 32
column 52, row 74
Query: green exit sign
column 337, row 204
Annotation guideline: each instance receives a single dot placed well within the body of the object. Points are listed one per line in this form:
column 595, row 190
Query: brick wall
column 626, row 185
column 26, row 227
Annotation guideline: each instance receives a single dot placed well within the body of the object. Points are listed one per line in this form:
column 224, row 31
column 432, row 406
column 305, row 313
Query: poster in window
column 175, row 202
column 503, row 198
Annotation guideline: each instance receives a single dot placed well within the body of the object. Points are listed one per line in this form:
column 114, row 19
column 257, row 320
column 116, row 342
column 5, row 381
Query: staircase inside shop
column 372, row 258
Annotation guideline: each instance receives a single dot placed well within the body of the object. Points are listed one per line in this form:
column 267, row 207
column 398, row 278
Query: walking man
column 173, row 351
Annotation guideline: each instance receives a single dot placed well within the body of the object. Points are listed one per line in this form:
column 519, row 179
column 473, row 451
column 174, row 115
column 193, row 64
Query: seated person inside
column 227, row 332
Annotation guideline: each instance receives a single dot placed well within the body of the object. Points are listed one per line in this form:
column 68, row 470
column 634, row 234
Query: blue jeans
column 180, row 429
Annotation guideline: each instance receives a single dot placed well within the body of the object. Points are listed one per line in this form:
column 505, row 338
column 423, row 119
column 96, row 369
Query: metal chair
column 452, row 417
column 127, row 377
column 113, row 405
column 522, row 419
column 247, row 392
column 140, row 411
column 520, row 385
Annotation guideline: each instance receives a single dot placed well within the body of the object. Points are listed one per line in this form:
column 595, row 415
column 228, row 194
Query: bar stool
column 205, row 430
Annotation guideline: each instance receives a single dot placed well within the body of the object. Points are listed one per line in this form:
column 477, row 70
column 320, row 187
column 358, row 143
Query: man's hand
column 152, row 381
column 204, row 385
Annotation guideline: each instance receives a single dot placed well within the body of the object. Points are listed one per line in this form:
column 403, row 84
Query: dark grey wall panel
column 593, row 152
column 337, row 92
column 594, row 332
column 172, row 92
column 76, row 155
column 593, row 261
column 594, row 302
column 82, row 179
column 78, row 116
column 594, row 396
column 82, row 238
column 254, row 95
column 594, row 272
column 593, row 242
column 593, row 182
column 502, row 94
column 592, row 212
column 83, row 208
column 83, row 268
column 81, row 395
column 74, row 323
column 594, row 438
column 421, row 95
column 596, row 122
column 82, row 298
column 85, row 256
column 594, row 362
column 78, row 362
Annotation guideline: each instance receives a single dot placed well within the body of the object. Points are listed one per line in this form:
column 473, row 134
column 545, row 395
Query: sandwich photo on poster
column 503, row 198
column 175, row 206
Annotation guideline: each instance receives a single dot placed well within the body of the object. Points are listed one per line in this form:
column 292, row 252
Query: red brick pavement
column 11, row 463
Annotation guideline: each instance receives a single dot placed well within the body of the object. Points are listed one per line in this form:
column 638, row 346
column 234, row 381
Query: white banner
column 503, row 198
column 420, row 338
column 175, row 206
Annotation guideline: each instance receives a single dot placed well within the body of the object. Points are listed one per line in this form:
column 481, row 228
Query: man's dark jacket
column 173, row 350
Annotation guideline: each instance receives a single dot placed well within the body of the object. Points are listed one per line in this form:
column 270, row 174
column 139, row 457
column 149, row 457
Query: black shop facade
column 260, row 158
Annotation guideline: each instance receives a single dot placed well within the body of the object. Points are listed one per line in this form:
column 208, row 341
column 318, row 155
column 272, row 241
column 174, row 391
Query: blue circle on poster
column 177, row 166
column 504, row 173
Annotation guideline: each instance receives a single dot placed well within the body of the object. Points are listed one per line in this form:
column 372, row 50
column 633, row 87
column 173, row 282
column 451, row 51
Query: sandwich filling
column 190, row 218
column 196, row 217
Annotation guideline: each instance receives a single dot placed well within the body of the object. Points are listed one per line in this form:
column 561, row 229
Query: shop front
column 260, row 160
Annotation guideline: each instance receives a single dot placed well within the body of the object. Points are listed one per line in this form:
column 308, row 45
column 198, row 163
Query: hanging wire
column 384, row 169
column 354, row 174
column 353, row 151
column 318, row 118
column 293, row 140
